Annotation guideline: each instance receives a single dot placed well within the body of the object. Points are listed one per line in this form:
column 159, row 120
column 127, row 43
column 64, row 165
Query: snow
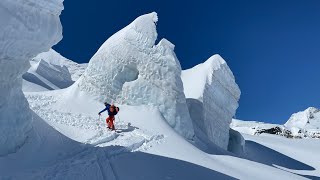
column 129, row 68
column 68, row 140
column 26, row 29
column 236, row 143
column 250, row 127
column 32, row 87
column 304, row 124
column 212, row 97
column 307, row 119
column 95, row 152
column 51, row 70
column 54, row 59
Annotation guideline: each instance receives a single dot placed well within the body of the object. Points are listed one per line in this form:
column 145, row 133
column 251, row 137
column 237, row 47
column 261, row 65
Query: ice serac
column 50, row 70
column 129, row 68
column 212, row 98
column 27, row 27
column 62, row 64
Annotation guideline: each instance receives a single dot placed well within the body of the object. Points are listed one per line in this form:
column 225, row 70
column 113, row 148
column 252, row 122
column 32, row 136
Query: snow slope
column 212, row 97
column 51, row 71
column 147, row 148
column 129, row 68
column 26, row 29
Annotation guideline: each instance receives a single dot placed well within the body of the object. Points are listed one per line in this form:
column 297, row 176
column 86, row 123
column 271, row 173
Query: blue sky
column 272, row 47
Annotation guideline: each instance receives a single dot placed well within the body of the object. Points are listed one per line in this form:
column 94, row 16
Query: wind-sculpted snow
column 130, row 69
column 212, row 99
column 27, row 27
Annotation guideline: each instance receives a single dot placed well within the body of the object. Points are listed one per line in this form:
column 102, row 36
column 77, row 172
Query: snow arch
column 129, row 68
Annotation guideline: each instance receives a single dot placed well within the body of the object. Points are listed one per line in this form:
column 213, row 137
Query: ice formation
column 130, row 69
column 56, row 60
column 50, row 70
column 27, row 27
column 212, row 98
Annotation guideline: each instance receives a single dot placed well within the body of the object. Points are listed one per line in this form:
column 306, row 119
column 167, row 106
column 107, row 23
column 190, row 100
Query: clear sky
column 272, row 46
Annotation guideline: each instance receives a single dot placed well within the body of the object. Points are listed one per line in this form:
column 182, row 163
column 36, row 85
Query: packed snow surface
column 26, row 29
column 79, row 146
column 212, row 97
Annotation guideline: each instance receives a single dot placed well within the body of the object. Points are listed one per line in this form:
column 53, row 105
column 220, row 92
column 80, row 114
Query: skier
column 112, row 111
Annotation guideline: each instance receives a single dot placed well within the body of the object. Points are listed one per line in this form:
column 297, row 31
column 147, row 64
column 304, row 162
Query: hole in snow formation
column 128, row 73
column 131, row 72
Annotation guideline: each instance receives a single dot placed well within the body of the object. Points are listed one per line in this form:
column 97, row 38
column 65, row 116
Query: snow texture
column 50, row 70
column 56, row 60
column 27, row 27
column 130, row 69
column 305, row 123
column 212, row 98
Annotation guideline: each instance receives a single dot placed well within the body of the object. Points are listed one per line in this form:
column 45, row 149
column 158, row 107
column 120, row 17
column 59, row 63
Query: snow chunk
column 130, row 69
column 212, row 98
column 26, row 29
column 236, row 143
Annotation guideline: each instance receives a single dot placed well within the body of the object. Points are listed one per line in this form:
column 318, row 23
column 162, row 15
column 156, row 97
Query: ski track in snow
column 126, row 139
column 131, row 137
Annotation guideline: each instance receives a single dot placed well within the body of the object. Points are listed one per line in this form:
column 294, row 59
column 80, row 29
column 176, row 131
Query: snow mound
column 50, row 70
column 130, row 69
column 307, row 119
column 305, row 123
column 26, row 29
column 212, row 99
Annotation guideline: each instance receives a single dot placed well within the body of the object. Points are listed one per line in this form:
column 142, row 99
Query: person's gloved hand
column 99, row 114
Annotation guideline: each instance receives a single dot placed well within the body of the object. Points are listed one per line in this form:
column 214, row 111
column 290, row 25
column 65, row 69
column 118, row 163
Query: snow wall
column 27, row 27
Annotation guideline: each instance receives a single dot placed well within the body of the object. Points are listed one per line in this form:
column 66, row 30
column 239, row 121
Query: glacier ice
column 212, row 97
column 50, row 70
column 129, row 68
column 64, row 65
column 27, row 27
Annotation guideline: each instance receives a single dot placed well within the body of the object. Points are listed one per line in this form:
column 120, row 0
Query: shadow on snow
column 262, row 154
column 48, row 154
